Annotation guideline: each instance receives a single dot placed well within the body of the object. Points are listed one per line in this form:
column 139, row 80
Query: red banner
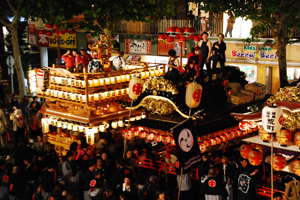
column 148, row 47
column 127, row 46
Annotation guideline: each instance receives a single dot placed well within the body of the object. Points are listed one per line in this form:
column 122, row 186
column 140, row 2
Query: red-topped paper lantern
column 239, row 133
column 229, row 136
column 40, row 32
column 135, row 88
column 129, row 135
column 161, row 37
column 196, row 39
column 172, row 142
column 193, row 95
column 177, row 36
column 48, row 26
column 166, row 139
column 61, row 32
column 297, row 139
column 55, row 26
column 49, row 33
column 224, row 137
column 284, row 137
column 193, row 30
column 279, row 162
column 187, row 30
column 244, row 150
column 272, row 118
column 252, row 124
column 170, row 30
column 255, row 157
column 191, row 37
column 296, row 166
column 200, row 37
column 182, row 39
column 158, row 138
column 170, row 40
column 178, row 30
column 72, row 32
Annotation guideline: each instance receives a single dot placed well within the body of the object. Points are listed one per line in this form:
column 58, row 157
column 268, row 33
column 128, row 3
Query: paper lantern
column 161, row 71
column 213, row 142
column 123, row 78
column 91, row 83
column 150, row 136
column 297, row 139
column 223, row 138
column 170, row 40
column 112, row 80
column 243, row 126
column 107, row 81
column 207, row 143
column 172, row 142
column 193, row 95
column 135, row 88
column 170, row 30
column 202, row 147
column 196, row 39
column 244, row 133
column 178, row 30
column 252, row 124
column 272, row 118
column 128, row 77
column 166, row 139
column 96, row 82
column 284, row 137
column 152, row 73
column 279, row 162
column 264, row 135
column 244, row 150
column 158, row 138
column 182, row 39
column 161, row 37
column 118, row 79
column 83, row 98
column 120, row 123
column 296, row 166
column 255, row 157
column 142, row 134
column 239, row 133
column 218, row 140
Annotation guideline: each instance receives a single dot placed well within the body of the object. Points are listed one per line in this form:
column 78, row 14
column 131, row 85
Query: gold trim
column 159, row 98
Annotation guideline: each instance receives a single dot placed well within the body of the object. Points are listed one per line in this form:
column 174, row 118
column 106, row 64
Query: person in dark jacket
column 127, row 186
column 246, row 185
column 218, row 51
column 213, row 189
column 88, row 176
column 16, row 186
column 49, row 180
column 14, row 102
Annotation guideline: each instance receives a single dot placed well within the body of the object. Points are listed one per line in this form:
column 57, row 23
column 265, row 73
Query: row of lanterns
column 95, row 97
column 72, row 82
column 141, row 133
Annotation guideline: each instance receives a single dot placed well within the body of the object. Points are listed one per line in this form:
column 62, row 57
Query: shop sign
column 31, row 26
column 186, row 145
column 32, row 39
column 138, row 46
column 254, row 52
column 32, row 81
column 66, row 41
column 43, row 40
column 163, row 47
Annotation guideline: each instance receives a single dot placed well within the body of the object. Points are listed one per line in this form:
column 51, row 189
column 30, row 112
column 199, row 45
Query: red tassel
column 8, row 136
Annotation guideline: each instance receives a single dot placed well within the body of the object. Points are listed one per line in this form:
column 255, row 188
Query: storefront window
column 249, row 70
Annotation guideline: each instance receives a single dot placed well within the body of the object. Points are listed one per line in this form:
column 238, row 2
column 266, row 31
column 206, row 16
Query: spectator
column 37, row 195
column 173, row 64
column 277, row 196
column 2, row 94
column 226, row 176
column 96, row 186
column 141, row 187
column 67, row 164
column 99, row 167
column 230, row 23
column 86, row 57
column 48, row 181
column 84, row 156
column 5, row 181
column 213, row 187
column 218, row 50
column 191, row 70
column 206, row 49
column 190, row 16
column 14, row 102
column 16, row 187
column 22, row 151
column 204, row 167
column 118, row 62
column 39, row 146
column 37, row 103
column 246, row 185
column 51, row 155
column 88, row 176
column 73, row 178
column 30, row 172
column 127, row 186
column 41, row 164
column 152, row 187
column 78, row 61
column 73, row 149
column 19, row 125
column 69, row 60
column 25, row 108
column 118, row 174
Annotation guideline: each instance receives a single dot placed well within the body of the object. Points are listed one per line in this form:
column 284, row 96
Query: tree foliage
column 280, row 17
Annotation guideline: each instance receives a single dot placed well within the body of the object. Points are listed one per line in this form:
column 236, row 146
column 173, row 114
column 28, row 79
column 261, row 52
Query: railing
column 213, row 27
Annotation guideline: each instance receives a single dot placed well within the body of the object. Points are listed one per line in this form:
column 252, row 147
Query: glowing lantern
column 119, row 79
column 238, row 133
column 114, row 124
column 123, row 78
column 135, row 87
column 96, row 82
column 161, row 37
column 252, row 124
column 243, row 126
column 172, row 142
column 264, row 135
column 279, row 162
column 107, row 81
column 143, row 134
column 297, row 138
column 161, row 71
column 218, row 140
column 166, row 140
column 170, row 40
column 296, row 166
column 244, row 133
column 284, row 136
column 272, row 118
column 178, row 30
column 150, row 136
column 112, row 80
column 244, row 150
column 206, row 142
column 193, row 95
column 223, row 138
column 170, row 30
column 213, row 142
column 255, row 157
column 91, row 83
column 202, row 147
column 129, row 135
column 120, row 123
column 128, row 77
column 158, row 138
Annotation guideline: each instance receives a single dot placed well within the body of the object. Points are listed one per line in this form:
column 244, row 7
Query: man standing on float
column 206, row 49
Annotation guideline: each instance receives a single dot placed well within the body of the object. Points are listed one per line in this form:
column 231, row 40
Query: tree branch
column 5, row 23
column 11, row 6
column 20, row 5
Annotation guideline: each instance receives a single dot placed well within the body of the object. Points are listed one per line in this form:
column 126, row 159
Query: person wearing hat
column 226, row 176
column 173, row 64
column 218, row 51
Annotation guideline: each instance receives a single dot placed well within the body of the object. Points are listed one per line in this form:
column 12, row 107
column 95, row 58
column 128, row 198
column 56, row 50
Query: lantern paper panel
column 193, row 95
column 244, row 150
column 296, row 166
column 264, row 135
column 255, row 157
column 297, row 138
column 135, row 88
column 284, row 137
column 272, row 118
column 279, row 162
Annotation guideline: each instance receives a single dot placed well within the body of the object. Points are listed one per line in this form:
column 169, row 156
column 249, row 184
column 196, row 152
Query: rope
column 292, row 190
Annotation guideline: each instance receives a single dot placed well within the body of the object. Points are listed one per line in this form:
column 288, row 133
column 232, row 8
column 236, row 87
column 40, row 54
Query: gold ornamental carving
column 161, row 84
column 70, row 108
column 159, row 105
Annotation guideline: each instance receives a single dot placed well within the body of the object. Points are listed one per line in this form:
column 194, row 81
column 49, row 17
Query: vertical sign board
column 31, row 32
column 32, row 81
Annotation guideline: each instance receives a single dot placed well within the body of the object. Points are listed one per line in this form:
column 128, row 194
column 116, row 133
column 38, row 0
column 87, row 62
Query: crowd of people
column 205, row 53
